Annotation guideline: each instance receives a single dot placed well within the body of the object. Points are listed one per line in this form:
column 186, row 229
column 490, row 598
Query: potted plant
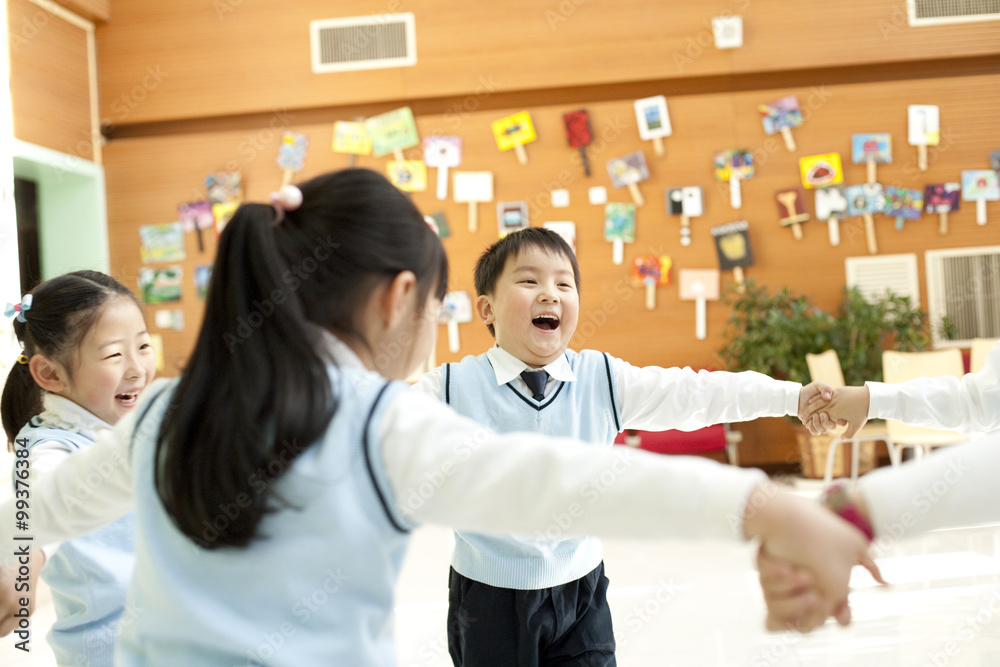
column 771, row 332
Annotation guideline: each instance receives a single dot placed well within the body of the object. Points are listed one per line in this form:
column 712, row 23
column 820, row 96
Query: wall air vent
column 942, row 12
column 363, row 42
column 874, row 275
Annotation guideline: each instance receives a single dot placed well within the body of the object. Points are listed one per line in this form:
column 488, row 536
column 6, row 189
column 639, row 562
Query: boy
column 522, row 601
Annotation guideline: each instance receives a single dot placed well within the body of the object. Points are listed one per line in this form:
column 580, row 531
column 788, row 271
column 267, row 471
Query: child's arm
column 430, row 383
column 654, row 398
column 443, row 468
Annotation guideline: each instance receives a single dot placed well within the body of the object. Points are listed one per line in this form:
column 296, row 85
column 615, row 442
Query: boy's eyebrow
column 525, row 268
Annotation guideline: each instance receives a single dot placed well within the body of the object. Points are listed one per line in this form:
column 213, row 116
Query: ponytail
column 256, row 391
column 22, row 400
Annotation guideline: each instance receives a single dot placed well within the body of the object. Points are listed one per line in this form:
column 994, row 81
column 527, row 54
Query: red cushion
column 709, row 439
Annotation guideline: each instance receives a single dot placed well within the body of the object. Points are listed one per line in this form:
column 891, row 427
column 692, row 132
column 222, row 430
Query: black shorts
column 502, row 627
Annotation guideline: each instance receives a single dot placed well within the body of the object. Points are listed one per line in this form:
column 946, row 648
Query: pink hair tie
column 288, row 198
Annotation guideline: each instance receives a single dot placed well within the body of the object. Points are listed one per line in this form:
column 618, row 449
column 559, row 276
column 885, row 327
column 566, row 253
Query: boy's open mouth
column 127, row 400
column 546, row 322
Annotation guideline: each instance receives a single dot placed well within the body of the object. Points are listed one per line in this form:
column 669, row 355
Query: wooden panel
column 48, row 80
column 95, row 10
column 193, row 59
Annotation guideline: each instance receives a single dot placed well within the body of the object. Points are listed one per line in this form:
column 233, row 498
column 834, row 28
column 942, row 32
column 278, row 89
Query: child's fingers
column 781, row 578
column 869, row 564
column 843, row 614
column 786, row 613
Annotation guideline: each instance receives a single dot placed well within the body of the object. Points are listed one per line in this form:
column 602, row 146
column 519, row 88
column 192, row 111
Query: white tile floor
column 698, row 605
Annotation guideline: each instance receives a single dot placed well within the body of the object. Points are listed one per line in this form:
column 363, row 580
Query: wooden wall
column 48, row 80
column 191, row 87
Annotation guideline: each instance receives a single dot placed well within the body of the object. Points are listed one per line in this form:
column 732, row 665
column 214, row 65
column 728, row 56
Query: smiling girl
column 86, row 358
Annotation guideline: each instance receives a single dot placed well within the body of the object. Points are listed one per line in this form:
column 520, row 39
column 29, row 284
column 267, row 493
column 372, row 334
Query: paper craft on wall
column 392, row 132
column 160, row 285
column 653, row 121
column 291, row 155
column 903, row 204
column 579, row 135
column 351, row 137
column 924, row 130
column 565, row 229
column 942, row 198
column 792, row 209
column 819, row 171
column 408, row 175
column 223, row 212
column 995, row 160
column 688, row 203
column 980, row 186
column 871, row 149
column 619, row 228
column 473, row 187
column 732, row 245
column 514, row 132
column 196, row 216
column 156, row 343
column 511, row 216
column 442, row 152
column 162, row 243
column 650, row 271
column 628, row 171
column 202, row 278
column 439, row 223
column 699, row 285
column 225, row 190
column 169, row 319
column 455, row 309
column 866, row 200
column 781, row 116
column 831, row 205
column 734, row 166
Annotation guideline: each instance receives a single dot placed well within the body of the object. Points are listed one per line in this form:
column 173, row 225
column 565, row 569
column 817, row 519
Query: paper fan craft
column 628, row 171
column 292, row 155
column 579, row 134
column 473, row 187
column 511, row 216
column 619, row 228
column 455, row 309
column 442, row 152
column 831, row 206
column 871, row 149
column 408, row 175
column 699, row 285
column 820, row 171
column 653, row 121
column 732, row 245
column 942, row 198
column 514, row 132
column 924, row 130
column 866, row 200
column 903, row 204
column 734, row 166
column 393, row 132
column 980, row 186
column 351, row 137
column 792, row 209
column 688, row 203
column 651, row 271
column 196, row 216
column 781, row 116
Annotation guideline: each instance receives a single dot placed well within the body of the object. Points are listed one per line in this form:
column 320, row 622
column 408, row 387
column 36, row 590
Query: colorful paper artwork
column 351, row 137
column 511, row 216
column 688, row 203
column 513, row 132
column 653, row 121
column 980, row 186
column 942, row 198
column 780, row 116
column 732, row 245
column 619, row 228
column 649, row 271
column 392, row 132
column 408, row 175
column 202, row 278
column 903, row 204
column 565, row 229
column 734, row 166
column 222, row 213
column 196, row 216
column 924, row 130
column 792, row 209
column 292, row 152
column 443, row 152
column 831, row 206
column 628, row 171
column 866, row 200
column 160, row 285
column 877, row 147
column 224, row 189
column 439, row 223
column 579, row 135
column 819, row 171
column 455, row 309
column 162, row 243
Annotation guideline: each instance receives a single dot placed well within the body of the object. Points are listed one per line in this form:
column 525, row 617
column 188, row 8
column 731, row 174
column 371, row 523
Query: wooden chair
column 903, row 366
column 825, row 367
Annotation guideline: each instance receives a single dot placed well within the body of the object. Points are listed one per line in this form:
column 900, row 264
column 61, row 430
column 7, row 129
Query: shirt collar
column 507, row 367
column 62, row 413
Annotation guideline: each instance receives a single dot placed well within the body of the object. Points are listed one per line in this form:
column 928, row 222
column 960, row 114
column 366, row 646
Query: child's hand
column 849, row 406
column 812, row 398
column 10, row 598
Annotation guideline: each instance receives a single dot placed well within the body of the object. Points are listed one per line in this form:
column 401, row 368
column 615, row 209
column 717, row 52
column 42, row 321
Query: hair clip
column 22, row 358
column 288, row 198
column 19, row 309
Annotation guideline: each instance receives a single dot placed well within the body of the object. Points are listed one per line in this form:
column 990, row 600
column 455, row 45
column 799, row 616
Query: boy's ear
column 48, row 373
column 485, row 309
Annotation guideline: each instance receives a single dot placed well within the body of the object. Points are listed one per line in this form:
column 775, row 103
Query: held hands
column 848, row 406
column 812, row 398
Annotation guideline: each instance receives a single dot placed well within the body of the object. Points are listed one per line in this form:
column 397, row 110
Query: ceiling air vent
column 941, row 12
column 363, row 42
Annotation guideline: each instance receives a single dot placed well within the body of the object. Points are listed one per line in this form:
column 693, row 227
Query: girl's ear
column 397, row 293
column 48, row 373
column 484, row 308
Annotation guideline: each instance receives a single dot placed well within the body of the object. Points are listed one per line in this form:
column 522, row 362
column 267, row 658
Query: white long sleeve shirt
column 495, row 487
column 968, row 405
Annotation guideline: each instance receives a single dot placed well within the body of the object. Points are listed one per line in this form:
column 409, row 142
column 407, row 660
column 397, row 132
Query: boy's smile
column 535, row 306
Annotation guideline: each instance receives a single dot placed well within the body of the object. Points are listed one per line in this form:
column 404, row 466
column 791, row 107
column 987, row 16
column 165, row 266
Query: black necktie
column 536, row 383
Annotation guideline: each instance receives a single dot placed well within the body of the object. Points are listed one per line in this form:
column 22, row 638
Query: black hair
column 256, row 391
column 63, row 310
column 494, row 259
